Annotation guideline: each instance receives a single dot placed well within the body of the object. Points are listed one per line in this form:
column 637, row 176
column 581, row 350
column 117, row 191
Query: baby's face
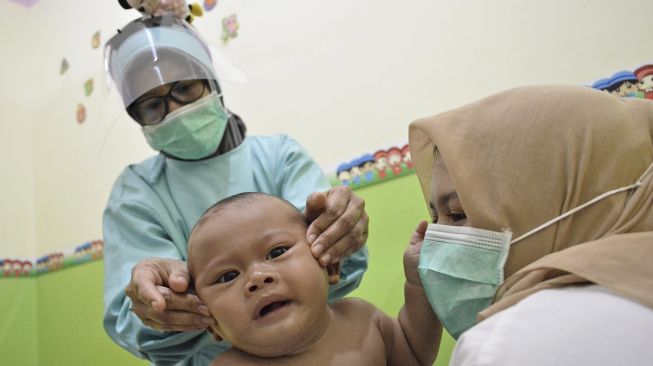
column 254, row 270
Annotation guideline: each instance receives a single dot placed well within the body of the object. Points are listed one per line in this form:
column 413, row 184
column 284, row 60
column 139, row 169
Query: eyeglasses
column 152, row 110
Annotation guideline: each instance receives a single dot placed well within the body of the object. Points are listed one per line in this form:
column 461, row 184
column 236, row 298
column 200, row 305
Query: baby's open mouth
column 267, row 309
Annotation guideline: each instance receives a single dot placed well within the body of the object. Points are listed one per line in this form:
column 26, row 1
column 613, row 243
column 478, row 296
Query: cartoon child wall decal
column 624, row 84
column 394, row 160
column 17, row 268
column 601, row 84
column 405, row 153
column 381, row 163
column 230, row 28
column 366, row 164
column 355, row 172
column 7, row 265
column 343, row 173
column 27, row 268
column 645, row 80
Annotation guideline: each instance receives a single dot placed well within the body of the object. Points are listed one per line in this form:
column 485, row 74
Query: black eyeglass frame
column 133, row 112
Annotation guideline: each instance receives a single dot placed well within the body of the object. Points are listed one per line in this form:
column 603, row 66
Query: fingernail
column 204, row 310
column 208, row 320
column 311, row 238
column 317, row 249
column 326, row 259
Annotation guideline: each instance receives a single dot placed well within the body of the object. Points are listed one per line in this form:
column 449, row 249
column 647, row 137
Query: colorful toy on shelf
column 155, row 8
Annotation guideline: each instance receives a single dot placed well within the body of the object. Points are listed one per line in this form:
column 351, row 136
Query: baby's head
column 252, row 266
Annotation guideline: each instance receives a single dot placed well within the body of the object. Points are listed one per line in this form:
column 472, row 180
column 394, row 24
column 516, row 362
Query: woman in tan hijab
column 542, row 203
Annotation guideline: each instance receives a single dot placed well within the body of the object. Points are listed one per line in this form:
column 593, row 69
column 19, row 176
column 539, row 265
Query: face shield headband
column 151, row 52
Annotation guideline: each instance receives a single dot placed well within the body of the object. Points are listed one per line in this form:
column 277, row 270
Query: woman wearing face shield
column 165, row 76
column 542, row 238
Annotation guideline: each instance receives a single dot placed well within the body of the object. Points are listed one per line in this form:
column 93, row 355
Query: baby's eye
column 227, row 276
column 276, row 252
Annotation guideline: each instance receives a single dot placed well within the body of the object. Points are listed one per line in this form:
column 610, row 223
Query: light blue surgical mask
column 462, row 267
column 191, row 132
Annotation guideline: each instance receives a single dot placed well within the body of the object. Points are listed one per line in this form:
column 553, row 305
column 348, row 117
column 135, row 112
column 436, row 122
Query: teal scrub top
column 152, row 209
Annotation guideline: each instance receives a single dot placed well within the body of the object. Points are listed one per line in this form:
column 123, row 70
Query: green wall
column 395, row 208
column 64, row 327
column 18, row 322
column 70, row 320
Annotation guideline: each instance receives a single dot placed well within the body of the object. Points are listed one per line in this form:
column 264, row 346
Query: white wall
column 343, row 77
column 17, row 225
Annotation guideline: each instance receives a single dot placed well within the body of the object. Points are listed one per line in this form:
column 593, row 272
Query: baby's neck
column 319, row 336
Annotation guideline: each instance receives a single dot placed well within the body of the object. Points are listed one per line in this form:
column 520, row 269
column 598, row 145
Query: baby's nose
column 258, row 281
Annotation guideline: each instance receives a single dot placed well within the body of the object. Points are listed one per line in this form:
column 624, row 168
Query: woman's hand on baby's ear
column 159, row 292
column 338, row 224
column 411, row 254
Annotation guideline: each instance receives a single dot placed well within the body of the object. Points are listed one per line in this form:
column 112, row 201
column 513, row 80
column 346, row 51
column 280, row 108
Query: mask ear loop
column 591, row 202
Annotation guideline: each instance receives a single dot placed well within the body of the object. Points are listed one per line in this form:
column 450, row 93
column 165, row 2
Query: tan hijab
column 525, row 156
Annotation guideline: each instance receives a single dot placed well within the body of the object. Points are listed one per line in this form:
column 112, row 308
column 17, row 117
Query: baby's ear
column 333, row 270
column 214, row 332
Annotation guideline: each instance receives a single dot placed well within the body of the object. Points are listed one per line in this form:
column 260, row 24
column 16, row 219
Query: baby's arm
column 416, row 334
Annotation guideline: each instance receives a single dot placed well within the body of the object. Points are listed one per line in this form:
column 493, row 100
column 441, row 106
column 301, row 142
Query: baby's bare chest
column 358, row 344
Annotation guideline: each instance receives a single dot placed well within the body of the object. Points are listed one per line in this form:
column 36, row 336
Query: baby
column 252, row 266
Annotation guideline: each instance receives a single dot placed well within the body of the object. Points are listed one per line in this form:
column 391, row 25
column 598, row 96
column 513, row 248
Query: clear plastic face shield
column 151, row 52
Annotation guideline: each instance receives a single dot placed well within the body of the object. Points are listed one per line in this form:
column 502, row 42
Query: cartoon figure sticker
column 405, row 153
column 88, row 87
column 394, row 160
column 645, row 80
column 624, row 84
column 81, row 113
column 229, row 28
column 210, row 4
column 343, row 173
column 381, row 163
column 64, row 66
column 366, row 163
column 95, row 41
